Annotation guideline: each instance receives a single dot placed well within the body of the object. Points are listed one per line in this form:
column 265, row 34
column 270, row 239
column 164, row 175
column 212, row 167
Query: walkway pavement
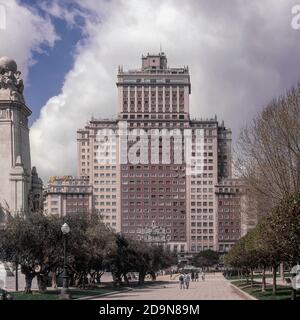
column 215, row 287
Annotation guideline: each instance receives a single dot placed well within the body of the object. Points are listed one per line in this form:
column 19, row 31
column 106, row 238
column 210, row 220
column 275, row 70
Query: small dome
column 8, row 64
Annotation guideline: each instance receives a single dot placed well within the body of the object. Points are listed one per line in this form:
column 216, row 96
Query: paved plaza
column 215, row 287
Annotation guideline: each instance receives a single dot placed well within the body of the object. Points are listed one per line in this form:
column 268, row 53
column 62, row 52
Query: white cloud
column 240, row 55
column 25, row 32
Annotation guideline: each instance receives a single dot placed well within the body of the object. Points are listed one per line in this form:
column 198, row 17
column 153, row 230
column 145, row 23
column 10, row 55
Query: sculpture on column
column 35, row 197
column 20, row 186
column 11, row 83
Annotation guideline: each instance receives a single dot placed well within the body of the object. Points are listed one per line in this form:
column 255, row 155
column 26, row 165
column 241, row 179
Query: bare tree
column 268, row 152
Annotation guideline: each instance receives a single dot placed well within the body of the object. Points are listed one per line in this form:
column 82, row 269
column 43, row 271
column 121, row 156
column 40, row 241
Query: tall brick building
column 230, row 197
column 153, row 164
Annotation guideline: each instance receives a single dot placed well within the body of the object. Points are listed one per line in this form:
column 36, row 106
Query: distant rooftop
column 155, row 64
column 67, row 179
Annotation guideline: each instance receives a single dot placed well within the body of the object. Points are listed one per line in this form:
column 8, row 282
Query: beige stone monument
column 20, row 187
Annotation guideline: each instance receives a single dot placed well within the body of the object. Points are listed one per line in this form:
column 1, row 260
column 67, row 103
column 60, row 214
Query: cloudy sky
column 241, row 54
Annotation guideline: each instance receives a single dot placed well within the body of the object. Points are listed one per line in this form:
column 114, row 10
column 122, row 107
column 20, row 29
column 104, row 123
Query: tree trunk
column 54, row 280
column 247, row 277
column 252, row 282
column 72, row 279
column 76, row 280
column 82, row 280
column 41, row 280
column 294, row 294
column 28, row 282
column 117, row 279
column 126, row 279
column 17, row 276
column 99, row 275
column 142, row 276
column 153, row 275
column 282, row 271
column 274, row 291
column 263, row 288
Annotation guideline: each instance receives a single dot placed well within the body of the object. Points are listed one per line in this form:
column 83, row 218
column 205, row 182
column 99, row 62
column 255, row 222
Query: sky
column 240, row 53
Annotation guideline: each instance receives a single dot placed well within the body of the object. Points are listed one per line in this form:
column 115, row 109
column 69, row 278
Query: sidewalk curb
column 105, row 294
column 160, row 286
column 243, row 292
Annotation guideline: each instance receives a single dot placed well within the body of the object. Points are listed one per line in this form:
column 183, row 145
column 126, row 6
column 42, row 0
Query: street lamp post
column 65, row 292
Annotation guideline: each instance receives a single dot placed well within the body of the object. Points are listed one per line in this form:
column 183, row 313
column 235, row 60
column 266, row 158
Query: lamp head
column 65, row 229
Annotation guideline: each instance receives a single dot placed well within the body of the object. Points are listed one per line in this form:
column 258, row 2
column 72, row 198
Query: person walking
column 181, row 281
column 203, row 276
column 184, row 280
column 197, row 276
column 187, row 281
column 193, row 276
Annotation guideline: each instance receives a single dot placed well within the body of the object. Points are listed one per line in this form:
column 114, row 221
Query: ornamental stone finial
column 11, row 83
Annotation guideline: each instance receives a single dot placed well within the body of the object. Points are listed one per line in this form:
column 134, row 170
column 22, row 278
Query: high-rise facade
column 97, row 147
column 155, row 97
column 162, row 172
column 202, row 210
